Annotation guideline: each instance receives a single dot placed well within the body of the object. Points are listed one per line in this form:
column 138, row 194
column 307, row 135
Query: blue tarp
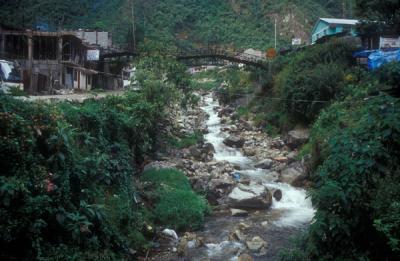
column 379, row 58
column 363, row 54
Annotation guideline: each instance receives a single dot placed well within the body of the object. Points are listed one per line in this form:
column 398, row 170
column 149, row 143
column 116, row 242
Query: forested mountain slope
column 238, row 23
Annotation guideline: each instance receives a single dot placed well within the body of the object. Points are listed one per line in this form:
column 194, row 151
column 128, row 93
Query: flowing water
column 287, row 216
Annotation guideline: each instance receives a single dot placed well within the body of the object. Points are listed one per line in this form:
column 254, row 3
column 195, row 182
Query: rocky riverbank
column 239, row 197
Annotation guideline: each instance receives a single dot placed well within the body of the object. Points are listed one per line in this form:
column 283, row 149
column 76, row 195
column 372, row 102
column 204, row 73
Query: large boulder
column 265, row 164
column 289, row 175
column 195, row 153
column 217, row 189
column 252, row 196
column 234, row 141
column 301, row 181
column 297, row 137
column 208, row 148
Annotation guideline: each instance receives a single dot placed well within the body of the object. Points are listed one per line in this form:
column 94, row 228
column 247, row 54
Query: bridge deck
column 211, row 53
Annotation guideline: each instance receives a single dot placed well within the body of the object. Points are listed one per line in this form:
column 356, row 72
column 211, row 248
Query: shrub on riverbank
column 187, row 140
column 176, row 205
column 67, row 182
column 355, row 169
column 357, row 176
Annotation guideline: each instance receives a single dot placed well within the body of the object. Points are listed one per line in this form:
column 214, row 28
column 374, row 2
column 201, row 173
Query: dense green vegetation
column 184, row 23
column 68, row 186
column 355, row 169
column 177, row 206
column 378, row 17
column 354, row 148
column 187, row 140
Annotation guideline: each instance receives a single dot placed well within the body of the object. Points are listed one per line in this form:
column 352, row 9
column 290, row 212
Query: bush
column 176, row 205
column 67, row 176
column 315, row 74
column 67, row 186
column 389, row 75
column 237, row 84
column 357, row 182
column 187, row 140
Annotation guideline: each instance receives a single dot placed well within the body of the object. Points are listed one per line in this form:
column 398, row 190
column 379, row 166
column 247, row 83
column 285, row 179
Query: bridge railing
column 220, row 52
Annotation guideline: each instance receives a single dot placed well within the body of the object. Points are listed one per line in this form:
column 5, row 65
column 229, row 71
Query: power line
column 299, row 100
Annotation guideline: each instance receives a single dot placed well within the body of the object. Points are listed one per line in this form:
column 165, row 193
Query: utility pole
column 275, row 33
column 133, row 24
column 344, row 9
column 351, row 9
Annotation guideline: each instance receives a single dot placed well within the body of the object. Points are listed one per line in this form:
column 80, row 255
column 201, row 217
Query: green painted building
column 326, row 27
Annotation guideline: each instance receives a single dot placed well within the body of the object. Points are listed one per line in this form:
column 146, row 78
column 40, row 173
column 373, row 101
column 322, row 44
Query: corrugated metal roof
column 340, row 21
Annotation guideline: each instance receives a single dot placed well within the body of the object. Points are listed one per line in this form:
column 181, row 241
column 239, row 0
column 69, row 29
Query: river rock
column 264, row 224
column 256, row 244
column 249, row 151
column 224, row 250
column 297, row 137
column 300, row 181
column 238, row 212
column 208, row 148
column 245, row 257
column 264, row 164
column 226, row 111
column 253, row 196
column 195, row 153
column 239, row 235
column 221, row 183
column 245, row 125
column 234, row 141
column 277, row 194
column 277, row 143
column 272, row 176
column 182, row 246
column 289, row 175
column 281, row 159
column 159, row 165
column 170, row 233
column 243, row 226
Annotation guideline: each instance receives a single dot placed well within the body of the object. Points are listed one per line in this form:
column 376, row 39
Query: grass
column 243, row 112
column 186, row 141
column 170, row 177
column 203, row 85
column 177, row 206
column 306, row 149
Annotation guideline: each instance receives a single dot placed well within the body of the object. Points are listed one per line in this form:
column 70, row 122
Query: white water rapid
column 294, row 209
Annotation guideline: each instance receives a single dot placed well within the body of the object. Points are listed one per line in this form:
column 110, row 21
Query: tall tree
column 379, row 15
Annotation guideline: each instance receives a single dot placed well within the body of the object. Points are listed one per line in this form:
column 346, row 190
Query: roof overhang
column 80, row 68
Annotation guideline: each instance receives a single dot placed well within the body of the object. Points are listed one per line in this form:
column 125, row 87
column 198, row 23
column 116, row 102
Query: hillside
column 237, row 23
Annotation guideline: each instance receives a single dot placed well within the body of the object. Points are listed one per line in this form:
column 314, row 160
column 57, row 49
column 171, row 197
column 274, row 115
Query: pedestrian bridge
column 204, row 56
column 216, row 56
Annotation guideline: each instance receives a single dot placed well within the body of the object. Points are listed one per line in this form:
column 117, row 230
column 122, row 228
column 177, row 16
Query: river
column 275, row 226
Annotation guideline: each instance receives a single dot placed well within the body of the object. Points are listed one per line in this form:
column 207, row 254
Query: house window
column 89, row 80
column 75, row 75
